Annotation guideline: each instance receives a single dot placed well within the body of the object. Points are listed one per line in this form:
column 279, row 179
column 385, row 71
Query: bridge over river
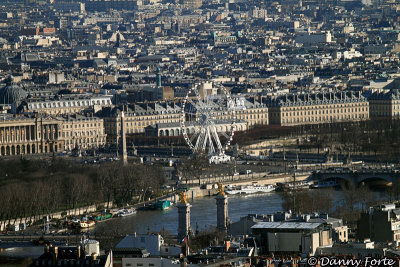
column 384, row 176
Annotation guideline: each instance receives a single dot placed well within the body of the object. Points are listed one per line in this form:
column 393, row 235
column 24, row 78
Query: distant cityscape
column 199, row 132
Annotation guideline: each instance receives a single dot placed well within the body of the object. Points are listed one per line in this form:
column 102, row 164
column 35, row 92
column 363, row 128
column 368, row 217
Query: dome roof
column 12, row 94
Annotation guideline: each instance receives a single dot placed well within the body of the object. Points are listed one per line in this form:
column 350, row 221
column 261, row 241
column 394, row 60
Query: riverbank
column 208, row 187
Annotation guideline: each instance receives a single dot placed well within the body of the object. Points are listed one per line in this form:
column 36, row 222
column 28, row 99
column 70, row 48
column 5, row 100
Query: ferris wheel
column 208, row 121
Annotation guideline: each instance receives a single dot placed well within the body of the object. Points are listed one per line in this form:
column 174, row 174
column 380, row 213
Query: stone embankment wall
column 56, row 215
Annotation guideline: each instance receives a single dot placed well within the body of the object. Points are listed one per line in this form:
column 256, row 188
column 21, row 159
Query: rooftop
column 286, row 225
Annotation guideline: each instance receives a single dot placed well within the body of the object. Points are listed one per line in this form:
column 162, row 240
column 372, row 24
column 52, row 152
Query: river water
column 204, row 213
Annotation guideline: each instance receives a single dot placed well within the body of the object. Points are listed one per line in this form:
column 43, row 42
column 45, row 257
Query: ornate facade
column 289, row 110
column 33, row 134
column 252, row 112
column 138, row 117
column 249, row 111
column 83, row 132
column 66, row 105
column 174, row 129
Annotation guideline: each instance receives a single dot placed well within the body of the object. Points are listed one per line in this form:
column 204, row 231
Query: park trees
column 39, row 188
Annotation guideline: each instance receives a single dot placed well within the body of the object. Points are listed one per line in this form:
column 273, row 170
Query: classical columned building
column 35, row 133
column 24, row 134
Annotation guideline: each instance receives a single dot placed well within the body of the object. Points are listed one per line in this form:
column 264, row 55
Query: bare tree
column 194, row 167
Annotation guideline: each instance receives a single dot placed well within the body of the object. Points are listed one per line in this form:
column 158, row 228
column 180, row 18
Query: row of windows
column 324, row 118
column 141, row 118
column 88, row 133
column 249, row 111
column 85, row 141
column 145, row 123
column 71, row 104
column 82, row 125
column 327, row 107
column 322, row 112
column 258, row 116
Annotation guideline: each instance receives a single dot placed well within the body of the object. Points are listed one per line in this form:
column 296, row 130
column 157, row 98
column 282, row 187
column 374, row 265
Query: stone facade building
column 83, row 132
column 252, row 112
column 67, row 105
column 385, row 104
column 174, row 129
column 329, row 107
column 248, row 110
column 163, row 118
column 33, row 133
column 138, row 117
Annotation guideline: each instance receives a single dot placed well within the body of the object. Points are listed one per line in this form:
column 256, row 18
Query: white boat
column 86, row 224
column 293, row 186
column 324, row 184
column 126, row 212
column 249, row 189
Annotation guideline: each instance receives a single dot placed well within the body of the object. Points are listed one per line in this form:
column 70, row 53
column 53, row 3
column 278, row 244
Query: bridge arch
column 375, row 178
column 333, row 176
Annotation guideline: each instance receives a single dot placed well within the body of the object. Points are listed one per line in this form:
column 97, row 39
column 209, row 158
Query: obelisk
column 123, row 137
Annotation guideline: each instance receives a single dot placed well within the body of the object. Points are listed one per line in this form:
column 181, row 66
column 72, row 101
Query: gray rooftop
column 286, row 225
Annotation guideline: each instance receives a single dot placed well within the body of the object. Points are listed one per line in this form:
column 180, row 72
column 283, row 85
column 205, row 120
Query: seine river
column 203, row 213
